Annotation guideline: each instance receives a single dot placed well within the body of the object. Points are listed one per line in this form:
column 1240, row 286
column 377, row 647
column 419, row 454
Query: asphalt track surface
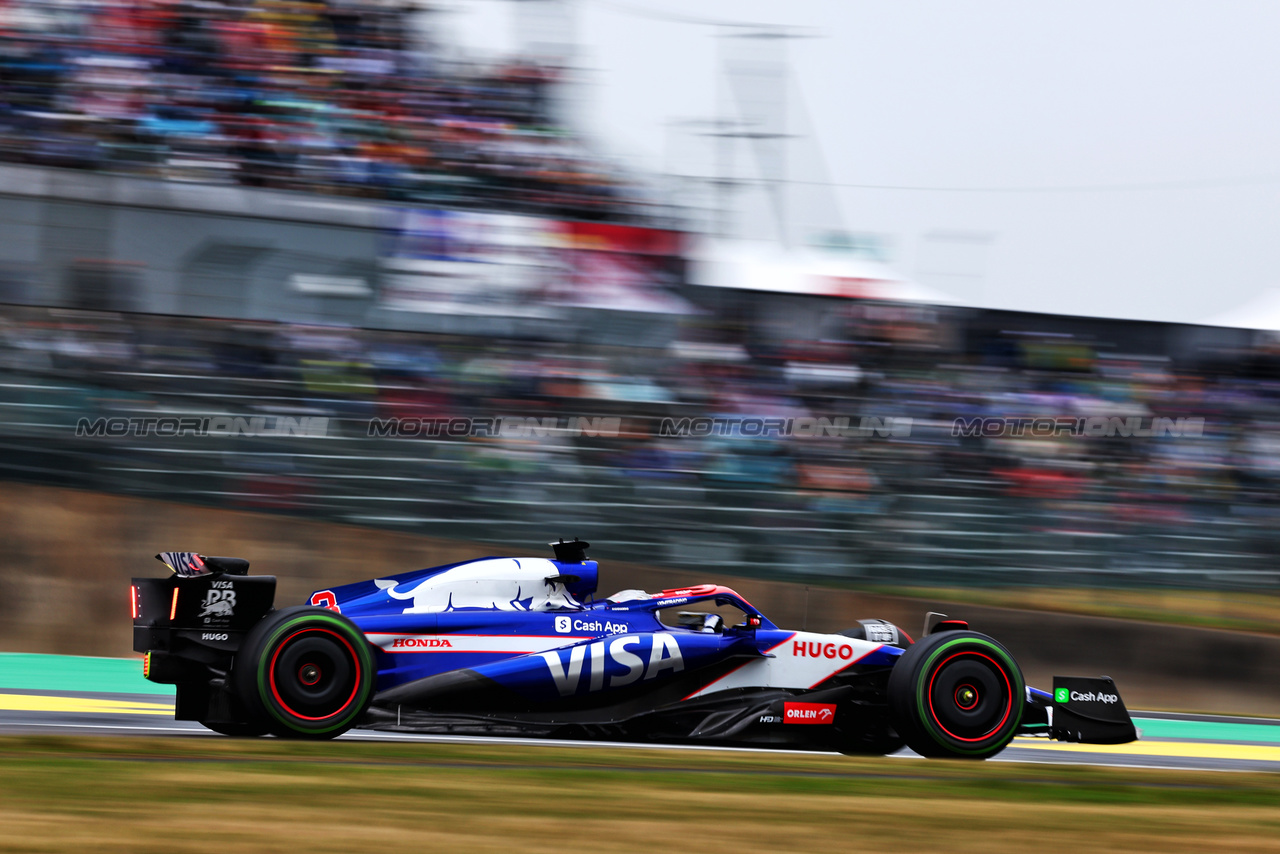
column 34, row 698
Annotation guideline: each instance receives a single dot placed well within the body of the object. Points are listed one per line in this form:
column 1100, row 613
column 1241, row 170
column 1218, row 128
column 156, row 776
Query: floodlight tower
column 546, row 32
column 758, row 101
column 545, row 29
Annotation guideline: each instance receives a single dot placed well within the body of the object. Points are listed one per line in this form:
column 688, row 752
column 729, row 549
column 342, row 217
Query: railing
column 912, row 529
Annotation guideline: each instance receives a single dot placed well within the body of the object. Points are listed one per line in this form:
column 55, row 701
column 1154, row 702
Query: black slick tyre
column 956, row 694
column 305, row 672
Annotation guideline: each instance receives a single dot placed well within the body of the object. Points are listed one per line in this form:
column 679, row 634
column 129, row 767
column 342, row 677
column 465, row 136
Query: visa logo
column 628, row 666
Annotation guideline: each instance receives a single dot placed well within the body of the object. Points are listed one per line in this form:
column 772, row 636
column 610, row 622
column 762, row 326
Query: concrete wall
column 186, row 248
column 232, row 252
column 66, row 557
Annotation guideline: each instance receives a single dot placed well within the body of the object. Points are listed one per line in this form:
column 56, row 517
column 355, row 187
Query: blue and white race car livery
column 522, row 646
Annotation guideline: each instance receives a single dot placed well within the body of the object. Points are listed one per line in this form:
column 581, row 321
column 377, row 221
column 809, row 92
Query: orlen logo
column 808, row 713
column 421, row 643
column 818, row 649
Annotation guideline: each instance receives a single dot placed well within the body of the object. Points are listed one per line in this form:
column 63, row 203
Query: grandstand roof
column 768, row 266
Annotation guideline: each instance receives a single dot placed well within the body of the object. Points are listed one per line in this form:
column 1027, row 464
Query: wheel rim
column 314, row 674
column 970, row 696
column 310, row 673
column 967, row 697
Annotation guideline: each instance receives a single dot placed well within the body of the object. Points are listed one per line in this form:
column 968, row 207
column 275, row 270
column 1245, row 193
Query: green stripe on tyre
column 1014, row 677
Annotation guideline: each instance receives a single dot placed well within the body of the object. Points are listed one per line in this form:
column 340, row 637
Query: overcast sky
column 1173, row 108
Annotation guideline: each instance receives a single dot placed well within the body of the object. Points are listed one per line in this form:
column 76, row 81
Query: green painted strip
column 30, row 672
column 1208, row 730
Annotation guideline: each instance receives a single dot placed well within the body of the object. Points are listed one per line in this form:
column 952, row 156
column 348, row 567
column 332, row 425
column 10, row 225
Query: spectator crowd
column 334, row 96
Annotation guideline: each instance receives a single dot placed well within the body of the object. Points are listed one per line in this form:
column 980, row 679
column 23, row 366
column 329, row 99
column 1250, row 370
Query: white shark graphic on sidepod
column 503, row 584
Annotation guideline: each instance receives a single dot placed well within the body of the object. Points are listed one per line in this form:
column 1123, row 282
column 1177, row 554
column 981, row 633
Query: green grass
column 204, row 794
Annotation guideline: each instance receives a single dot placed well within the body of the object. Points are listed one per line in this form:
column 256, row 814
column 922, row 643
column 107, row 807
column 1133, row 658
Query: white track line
column 185, row 728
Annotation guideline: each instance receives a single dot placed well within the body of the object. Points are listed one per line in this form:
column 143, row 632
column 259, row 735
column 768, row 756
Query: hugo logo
column 817, row 649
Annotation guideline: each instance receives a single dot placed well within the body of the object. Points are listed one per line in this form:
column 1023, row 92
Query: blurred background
column 360, row 210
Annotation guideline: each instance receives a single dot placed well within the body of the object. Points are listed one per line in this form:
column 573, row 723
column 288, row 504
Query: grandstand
column 325, row 97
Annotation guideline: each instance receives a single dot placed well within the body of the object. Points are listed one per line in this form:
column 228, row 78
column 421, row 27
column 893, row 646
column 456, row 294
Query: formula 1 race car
column 521, row 646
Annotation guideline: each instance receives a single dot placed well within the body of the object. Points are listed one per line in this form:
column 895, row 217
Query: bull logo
column 430, row 596
column 218, row 603
column 499, row 584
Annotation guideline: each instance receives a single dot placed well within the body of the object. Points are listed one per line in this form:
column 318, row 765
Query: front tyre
column 957, row 694
column 306, row 673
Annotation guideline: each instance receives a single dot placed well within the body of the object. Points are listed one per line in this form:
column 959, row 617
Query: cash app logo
column 1061, row 695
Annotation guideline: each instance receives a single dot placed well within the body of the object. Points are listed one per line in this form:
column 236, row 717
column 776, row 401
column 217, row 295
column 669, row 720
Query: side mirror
column 941, row 624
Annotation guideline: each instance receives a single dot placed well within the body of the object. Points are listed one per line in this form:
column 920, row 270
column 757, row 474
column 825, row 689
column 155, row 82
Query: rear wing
column 209, row 603
column 189, row 564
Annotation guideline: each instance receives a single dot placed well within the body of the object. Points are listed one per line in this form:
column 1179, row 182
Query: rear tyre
column 305, row 672
column 956, row 694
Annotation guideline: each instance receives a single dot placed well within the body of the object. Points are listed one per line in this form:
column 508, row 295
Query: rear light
column 173, row 606
column 133, row 600
column 146, row 666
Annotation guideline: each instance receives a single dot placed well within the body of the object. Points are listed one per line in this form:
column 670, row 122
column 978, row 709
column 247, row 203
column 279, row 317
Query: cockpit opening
column 707, row 616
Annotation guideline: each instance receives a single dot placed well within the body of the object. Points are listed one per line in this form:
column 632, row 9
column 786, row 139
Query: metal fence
column 722, row 509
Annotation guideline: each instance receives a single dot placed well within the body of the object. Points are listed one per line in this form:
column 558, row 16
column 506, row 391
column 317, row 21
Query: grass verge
column 62, row 794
